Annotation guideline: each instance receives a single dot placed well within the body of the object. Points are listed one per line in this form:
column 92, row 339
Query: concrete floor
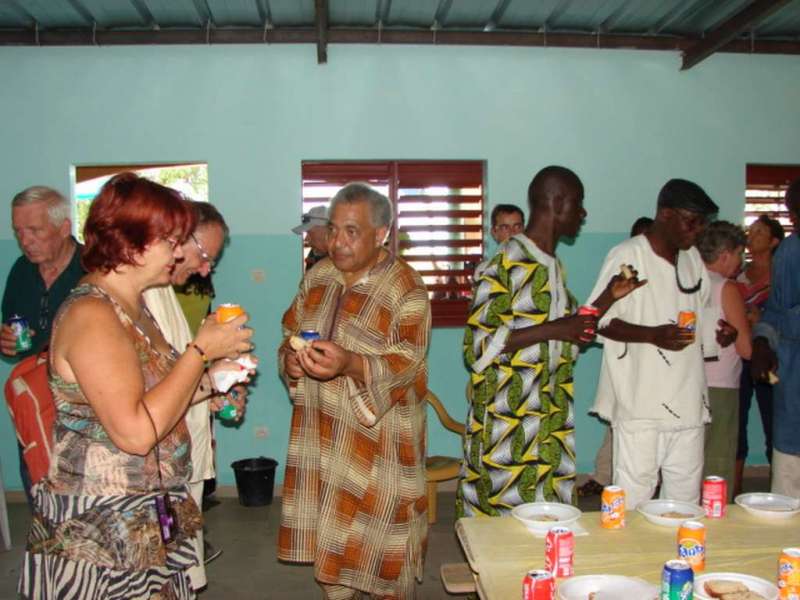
column 248, row 570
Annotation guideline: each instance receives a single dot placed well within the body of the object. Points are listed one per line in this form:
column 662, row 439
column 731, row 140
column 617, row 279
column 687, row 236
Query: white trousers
column 641, row 451
column 785, row 474
column 197, row 574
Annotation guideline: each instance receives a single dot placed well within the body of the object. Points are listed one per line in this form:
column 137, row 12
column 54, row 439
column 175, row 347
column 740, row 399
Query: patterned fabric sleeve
column 389, row 374
column 487, row 329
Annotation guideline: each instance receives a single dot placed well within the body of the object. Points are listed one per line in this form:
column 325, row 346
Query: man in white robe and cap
column 652, row 386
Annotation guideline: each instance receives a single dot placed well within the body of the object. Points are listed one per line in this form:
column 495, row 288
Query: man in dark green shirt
column 48, row 269
column 43, row 276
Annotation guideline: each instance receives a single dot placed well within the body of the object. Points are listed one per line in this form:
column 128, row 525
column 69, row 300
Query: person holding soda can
column 721, row 246
column 523, row 334
column 43, row 276
column 121, row 447
column 652, row 386
column 200, row 253
column 358, row 433
column 39, row 280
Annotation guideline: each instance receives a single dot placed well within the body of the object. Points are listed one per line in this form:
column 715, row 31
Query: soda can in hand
column 22, row 331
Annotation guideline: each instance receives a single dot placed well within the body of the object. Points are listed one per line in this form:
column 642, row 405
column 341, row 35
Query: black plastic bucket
column 255, row 480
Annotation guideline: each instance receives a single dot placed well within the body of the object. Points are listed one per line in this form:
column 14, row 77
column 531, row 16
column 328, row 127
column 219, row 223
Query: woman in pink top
column 763, row 238
column 722, row 246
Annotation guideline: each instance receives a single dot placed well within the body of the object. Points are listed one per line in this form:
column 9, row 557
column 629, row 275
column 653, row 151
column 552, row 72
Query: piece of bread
column 717, row 587
column 625, row 271
column 772, row 379
column 297, row 343
column 748, row 595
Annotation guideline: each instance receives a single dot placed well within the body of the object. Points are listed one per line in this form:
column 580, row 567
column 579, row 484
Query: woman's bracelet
column 201, row 352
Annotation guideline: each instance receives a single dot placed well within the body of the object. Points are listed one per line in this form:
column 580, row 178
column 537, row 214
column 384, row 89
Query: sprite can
column 22, row 331
column 677, row 581
column 228, row 412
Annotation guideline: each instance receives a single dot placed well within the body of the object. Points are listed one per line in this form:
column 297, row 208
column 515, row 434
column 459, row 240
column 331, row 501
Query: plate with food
column 733, row 586
column 670, row 513
column 769, row 506
column 539, row 517
column 606, row 587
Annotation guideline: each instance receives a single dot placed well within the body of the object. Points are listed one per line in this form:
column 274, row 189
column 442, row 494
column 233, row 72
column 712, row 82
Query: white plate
column 565, row 514
column 606, row 587
column 754, row 584
column 770, row 506
column 653, row 511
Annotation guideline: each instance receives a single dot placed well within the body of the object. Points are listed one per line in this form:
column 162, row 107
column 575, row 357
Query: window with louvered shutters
column 438, row 227
column 766, row 186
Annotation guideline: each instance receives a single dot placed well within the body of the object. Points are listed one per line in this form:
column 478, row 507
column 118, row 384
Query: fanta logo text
column 785, row 567
column 690, row 549
column 614, row 505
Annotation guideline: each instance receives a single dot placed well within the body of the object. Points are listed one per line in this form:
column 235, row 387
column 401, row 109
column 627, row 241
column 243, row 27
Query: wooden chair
column 440, row 468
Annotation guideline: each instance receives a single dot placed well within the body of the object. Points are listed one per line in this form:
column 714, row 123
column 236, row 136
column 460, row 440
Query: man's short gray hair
column 380, row 207
column 58, row 208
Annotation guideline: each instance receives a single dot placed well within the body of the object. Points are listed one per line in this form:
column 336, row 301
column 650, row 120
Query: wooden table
column 501, row 550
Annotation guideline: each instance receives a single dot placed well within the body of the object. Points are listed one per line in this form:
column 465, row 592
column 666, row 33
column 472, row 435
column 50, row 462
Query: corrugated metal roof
column 646, row 23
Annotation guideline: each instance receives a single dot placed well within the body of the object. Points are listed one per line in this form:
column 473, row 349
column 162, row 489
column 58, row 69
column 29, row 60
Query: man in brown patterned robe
column 354, row 490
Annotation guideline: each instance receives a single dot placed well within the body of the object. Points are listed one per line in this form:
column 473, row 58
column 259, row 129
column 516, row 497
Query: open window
column 438, row 227
column 191, row 179
column 765, row 189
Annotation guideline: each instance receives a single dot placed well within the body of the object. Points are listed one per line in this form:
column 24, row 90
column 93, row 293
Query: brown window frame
column 448, row 270
column 764, row 192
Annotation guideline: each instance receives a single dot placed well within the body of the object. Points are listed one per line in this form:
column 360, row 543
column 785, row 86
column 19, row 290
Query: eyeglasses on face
column 203, row 252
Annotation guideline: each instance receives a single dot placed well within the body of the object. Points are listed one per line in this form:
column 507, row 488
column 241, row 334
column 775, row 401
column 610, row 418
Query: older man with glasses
column 42, row 277
column 200, row 253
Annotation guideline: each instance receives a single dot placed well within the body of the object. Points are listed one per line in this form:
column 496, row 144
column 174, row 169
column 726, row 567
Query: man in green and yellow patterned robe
column 520, row 345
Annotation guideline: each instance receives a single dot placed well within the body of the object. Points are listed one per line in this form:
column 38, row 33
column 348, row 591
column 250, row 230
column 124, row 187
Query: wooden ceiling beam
column 321, row 27
column 305, row 35
column 730, row 29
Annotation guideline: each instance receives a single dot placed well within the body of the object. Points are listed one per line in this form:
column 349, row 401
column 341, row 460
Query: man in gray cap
column 652, row 386
column 315, row 225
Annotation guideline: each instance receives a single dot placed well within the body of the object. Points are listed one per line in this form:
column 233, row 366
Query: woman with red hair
column 114, row 518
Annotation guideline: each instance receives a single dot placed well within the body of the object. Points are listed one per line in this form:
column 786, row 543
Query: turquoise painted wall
column 624, row 120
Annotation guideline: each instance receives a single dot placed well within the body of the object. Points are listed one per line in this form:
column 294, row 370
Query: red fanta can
column 715, row 497
column 559, row 551
column 538, row 585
